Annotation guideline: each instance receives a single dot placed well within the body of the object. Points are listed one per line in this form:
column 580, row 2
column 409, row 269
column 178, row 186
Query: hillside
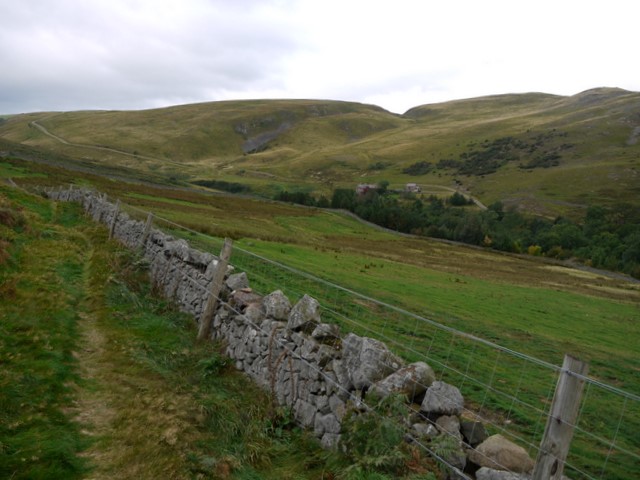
column 521, row 149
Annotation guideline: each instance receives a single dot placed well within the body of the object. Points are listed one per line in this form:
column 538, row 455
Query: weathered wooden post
column 558, row 433
column 214, row 292
column 114, row 219
column 146, row 231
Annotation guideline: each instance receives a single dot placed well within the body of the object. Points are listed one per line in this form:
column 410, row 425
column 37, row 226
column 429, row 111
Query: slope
column 521, row 149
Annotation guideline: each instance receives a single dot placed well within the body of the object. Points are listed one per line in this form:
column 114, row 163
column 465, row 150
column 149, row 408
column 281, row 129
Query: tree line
column 607, row 237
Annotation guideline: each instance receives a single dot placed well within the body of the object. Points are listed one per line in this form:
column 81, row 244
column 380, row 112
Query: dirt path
column 97, row 147
column 137, row 420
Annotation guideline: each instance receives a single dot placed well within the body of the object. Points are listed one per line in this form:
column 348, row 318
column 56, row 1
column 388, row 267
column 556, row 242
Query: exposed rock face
column 367, row 360
column 498, row 453
column 411, row 381
column 442, row 399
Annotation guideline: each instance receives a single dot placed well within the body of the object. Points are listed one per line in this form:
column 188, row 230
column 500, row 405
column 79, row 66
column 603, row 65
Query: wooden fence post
column 558, row 433
column 147, row 231
column 214, row 292
column 114, row 219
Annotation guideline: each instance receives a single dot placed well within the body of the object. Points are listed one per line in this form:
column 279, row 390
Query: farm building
column 363, row 188
column 412, row 188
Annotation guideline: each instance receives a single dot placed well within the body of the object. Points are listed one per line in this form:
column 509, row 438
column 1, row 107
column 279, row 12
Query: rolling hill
column 544, row 154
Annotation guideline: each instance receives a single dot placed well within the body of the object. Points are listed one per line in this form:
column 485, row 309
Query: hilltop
column 521, row 149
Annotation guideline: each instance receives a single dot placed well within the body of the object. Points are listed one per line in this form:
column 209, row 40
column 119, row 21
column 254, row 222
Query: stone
column 254, row 313
column 304, row 315
column 486, row 473
column 367, row 360
column 498, row 453
column 442, row 399
column 326, row 424
column 242, row 298
column 237, row 281
column 474, row 433
column 325, row 354
column 277, row 305
column 411, row 381
column 450, row 426
column 326, row 332
column 424, row 430
column 304, row 412
column 176, row 248
column 338, row 407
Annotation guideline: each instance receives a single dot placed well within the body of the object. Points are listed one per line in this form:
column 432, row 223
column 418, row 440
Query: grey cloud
column 83, row 55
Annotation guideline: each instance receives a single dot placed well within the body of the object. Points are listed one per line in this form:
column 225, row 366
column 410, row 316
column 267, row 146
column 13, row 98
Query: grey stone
column 326, row 424
column 411, row 381
column 367, row 360
column 325, row 354
column 237, row 281
column 242, row 298
column 305, row 314
column 277, row 305
column 424, row 430
column 304, row 412
column 442, row 399
column 450, row 426
column 254, row 313
column 474, row 433
column 326, row 332
column 338, row 407
column 485, row 473
column 498, row 453
column 308, row 350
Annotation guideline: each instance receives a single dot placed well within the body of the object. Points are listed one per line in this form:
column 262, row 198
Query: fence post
column 214, row 292
column 558, row 433
column 147, row 231
column 114, row 219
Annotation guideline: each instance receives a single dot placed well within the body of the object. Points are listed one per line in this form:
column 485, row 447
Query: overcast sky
column 135, row 54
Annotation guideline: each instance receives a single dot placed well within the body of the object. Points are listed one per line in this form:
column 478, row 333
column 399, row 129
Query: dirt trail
column 98, row 147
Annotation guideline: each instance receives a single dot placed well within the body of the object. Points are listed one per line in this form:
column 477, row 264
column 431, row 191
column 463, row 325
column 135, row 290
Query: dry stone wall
column 308, row 365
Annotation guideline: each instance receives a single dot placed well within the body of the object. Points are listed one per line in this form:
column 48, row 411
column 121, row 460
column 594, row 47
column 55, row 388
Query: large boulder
column 411, row 381
column 498, row 453
column 305, row 315
column 367, row 360
column 277, row 305
column 442, row 399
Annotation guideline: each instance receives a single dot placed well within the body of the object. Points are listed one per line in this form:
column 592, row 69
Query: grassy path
column 100, row 379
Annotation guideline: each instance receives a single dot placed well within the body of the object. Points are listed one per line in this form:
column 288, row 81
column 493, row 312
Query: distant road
column 97, row 147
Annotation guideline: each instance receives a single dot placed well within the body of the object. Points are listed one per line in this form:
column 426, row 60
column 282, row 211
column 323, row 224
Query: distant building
column 363, row 188
column 412, row 188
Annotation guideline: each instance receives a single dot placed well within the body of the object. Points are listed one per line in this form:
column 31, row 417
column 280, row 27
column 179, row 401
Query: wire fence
column 506, row 390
